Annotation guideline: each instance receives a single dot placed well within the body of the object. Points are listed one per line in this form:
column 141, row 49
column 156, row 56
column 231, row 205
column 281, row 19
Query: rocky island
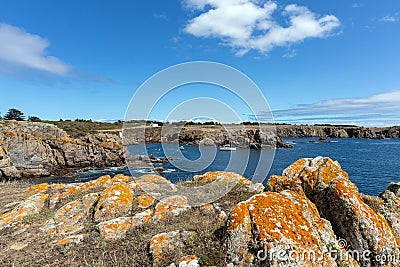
column 311, row 215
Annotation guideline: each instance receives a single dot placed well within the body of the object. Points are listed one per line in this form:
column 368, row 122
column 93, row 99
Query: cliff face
column 311, row 215
column 37, row 149
column 287, row 131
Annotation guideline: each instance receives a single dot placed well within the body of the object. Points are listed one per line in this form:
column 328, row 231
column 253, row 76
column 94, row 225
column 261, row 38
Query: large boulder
column 72, row 217
column 114, row 202
column 30, row 206
column 268, row 228
column 338, row 200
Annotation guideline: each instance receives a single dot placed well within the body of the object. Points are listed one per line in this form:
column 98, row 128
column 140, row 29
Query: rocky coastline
column 312, row 209
column 34, row 149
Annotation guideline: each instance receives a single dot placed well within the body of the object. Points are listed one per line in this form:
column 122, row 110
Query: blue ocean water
column 371, row 164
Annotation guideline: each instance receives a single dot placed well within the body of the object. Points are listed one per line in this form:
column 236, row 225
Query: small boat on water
column 181, row 148
column 227, row 148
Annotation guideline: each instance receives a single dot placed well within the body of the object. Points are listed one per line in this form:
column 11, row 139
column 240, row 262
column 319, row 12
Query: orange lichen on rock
column 111, row 145
column 170, row 207
column 121, row 178
column 115, row 228
column 189, row 261
column 145, row 201
column 313, row 173
column 34, row 189
column 30, row 206
column 164, row 242
column 277, row 183
column 221, row 176
column 73, row 239
column 280, row 220
column 71, row 217
column 115, row 201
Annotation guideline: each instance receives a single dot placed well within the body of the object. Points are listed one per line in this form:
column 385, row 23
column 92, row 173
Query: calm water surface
column 371, row 164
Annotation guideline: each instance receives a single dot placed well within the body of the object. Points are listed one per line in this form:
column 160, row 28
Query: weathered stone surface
column 170, row 207
column 35, row 189
column 338, row 200
column 30, row 206
column 270, row 223
column 115, row 228
column 221, row 176
column 164, row 242
column 145, row 201
column 72, row 217
column 7, row 170
column 40, row 149
column 73, row 239
column 115, row 201
column 189, row 261
column 390, row 209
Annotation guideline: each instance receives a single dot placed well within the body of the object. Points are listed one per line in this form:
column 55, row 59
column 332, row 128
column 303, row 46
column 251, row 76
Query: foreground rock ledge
column 311, row 209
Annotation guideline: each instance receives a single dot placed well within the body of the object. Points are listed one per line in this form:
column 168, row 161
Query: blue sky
column 315, row 61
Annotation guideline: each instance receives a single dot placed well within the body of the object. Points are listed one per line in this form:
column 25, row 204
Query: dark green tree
column 14, row 114
column 34, row 118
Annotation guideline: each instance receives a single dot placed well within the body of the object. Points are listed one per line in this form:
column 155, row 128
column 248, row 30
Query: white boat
column 181, row 148
column 227, row 148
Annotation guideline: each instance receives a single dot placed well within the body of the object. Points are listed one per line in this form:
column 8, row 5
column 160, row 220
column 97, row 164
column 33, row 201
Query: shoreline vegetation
column 311, row 209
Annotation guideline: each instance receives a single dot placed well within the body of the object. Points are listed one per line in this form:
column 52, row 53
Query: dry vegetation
column 32, row 248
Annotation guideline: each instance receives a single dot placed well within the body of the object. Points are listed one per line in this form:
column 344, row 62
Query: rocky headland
column 32, row 149
column 290, row 131
column 311, row 215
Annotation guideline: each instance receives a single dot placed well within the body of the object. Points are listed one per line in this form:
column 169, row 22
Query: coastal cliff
column 311, row 215
column 290, row 131
column 32, row 149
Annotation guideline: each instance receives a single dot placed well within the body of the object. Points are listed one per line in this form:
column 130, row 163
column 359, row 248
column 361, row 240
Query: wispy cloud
column 257, row 29
column 356, row 5
column 161, row 16
column 389, row 18
column 379, row 108
column 23, row 49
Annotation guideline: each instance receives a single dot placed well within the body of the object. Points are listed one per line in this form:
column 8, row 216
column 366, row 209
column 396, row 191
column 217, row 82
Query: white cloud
column 249, row 24
column 356, row 5
column 373, row 109
column 21, row 48
column 389, row 19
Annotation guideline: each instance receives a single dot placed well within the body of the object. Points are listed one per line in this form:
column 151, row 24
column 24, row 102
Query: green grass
column 82, row 128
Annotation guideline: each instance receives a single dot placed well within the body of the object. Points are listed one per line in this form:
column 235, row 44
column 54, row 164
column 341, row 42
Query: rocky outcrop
column 255, row 137
column 311, row 215
column 270, row 228
column 288, row 131
column 338, row 200
column 32, row 149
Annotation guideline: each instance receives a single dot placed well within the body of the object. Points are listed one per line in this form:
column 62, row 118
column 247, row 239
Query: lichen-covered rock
column 41, row 149
column 30, row 206
column 269, row 224
column 145, row 201
column 155, row 185
column 164, row 242
column 115, row 228
column 72, row 217
column 338, row 200
column 35, row 189
column 170, row 207
column 390, row 209
column 73, row 239
column 189, row 261
column 142, row 217
column 221, row 176
column 115, row 201
column 277, row 183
